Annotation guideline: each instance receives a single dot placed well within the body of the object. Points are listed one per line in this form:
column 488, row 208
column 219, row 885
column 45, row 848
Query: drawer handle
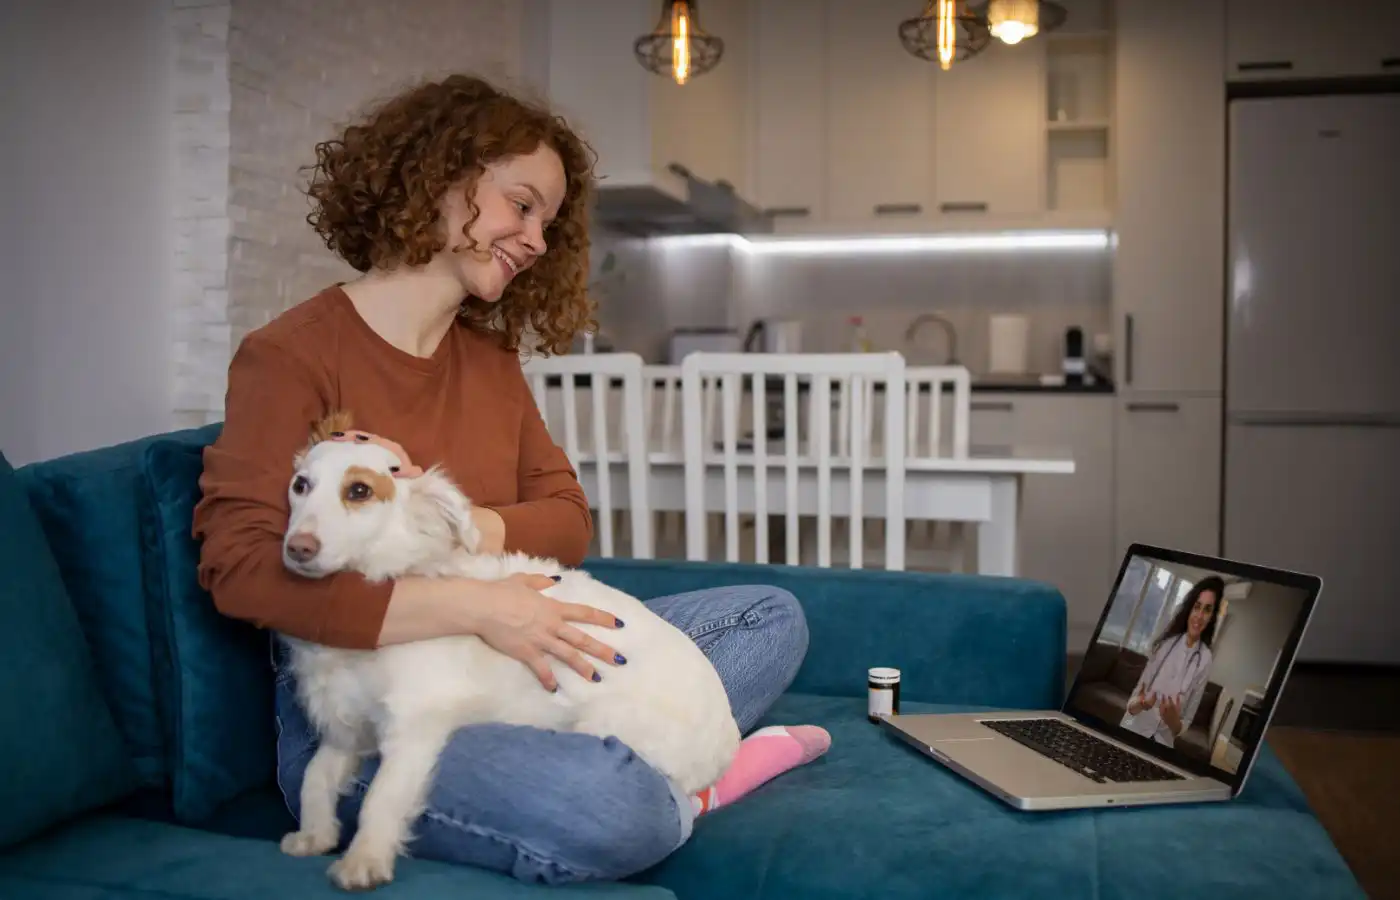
column 962, row 207
column 1004, row 406
column 886, row 209
column 1273, row 65
column 1128, row 348
column 795, row 211
column 1154, row 407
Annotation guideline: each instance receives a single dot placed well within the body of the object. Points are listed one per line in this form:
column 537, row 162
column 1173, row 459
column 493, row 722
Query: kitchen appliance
column 1312, row 399
column 1073, row 365
column 774, row 336
column 685, row 341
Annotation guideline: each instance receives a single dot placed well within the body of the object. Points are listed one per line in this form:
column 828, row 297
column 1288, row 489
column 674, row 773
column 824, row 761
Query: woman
column 465, row 211
column 1172, row 682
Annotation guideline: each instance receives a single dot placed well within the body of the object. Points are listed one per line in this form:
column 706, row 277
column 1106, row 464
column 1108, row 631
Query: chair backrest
column 600, row 375
column 924, row 439
column 745, row 380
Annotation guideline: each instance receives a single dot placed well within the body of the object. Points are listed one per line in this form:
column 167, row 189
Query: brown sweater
column 467, row 408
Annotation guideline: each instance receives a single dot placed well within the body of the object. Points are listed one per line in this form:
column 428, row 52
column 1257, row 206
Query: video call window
column 1185, row 658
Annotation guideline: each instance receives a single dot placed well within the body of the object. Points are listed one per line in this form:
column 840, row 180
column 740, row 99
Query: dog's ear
column 337, row 420
column 438, row 507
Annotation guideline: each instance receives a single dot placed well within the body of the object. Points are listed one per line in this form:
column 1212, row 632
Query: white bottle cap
column 883, row 674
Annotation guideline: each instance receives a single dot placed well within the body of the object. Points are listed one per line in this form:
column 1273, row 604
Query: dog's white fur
column 405, row 701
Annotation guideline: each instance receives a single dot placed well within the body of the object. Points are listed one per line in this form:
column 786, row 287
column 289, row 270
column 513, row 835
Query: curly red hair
column 376, row 191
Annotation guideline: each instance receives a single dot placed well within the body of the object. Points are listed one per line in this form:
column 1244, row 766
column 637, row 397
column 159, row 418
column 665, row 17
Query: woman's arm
column 273, row 399
column 552, row 518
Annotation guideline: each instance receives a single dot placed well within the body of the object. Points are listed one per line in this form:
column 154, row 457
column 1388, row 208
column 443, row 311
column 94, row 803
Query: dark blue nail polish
column 619, row 623
column 620, row 659
column 556, row 578
column 597, row 677
column 337, row 434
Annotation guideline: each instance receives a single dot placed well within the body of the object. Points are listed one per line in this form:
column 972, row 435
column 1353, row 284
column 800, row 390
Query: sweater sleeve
column 551, row 519
column 272, row 402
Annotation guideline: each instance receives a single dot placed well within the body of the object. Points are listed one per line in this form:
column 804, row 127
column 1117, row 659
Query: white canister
column 1009, row 344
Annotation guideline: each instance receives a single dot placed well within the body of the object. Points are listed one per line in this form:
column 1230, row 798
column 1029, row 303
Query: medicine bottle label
column 881, row 702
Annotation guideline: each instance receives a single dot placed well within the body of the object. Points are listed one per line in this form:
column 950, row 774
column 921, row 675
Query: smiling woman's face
column 1201, row 613
column 516, row 199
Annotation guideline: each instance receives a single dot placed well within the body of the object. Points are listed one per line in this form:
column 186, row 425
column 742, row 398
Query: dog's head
column 352, row 508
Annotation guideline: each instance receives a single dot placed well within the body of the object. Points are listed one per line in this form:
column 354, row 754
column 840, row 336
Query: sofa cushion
column 214, row 672
column 91, row 507
column 61, row 753
column 115, row 857
column 876, row 818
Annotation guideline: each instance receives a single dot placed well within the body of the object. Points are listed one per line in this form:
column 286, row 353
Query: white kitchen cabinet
column 1170, row 197
column 880, row 115
column 1299, row 39
column 1066, row 525
column 1167, row 481
column 989, row 135
column 788, row 79
column 637, row 122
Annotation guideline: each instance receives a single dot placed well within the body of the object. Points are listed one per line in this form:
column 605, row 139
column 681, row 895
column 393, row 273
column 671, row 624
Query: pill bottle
column 883, row 687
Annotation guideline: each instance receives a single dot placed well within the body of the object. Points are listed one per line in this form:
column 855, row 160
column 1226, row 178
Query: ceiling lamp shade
column 1012, row 21
column 946, row 32
column 678, row 46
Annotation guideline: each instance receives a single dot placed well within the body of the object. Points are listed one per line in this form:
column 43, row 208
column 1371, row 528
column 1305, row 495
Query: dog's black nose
column 303, row 547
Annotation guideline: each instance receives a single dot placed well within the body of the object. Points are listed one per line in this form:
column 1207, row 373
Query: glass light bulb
column 680, row 42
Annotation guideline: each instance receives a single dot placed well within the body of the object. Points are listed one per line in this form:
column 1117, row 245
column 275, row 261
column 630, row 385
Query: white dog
column 349, row 512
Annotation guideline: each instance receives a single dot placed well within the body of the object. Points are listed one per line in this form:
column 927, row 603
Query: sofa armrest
column 957, row 639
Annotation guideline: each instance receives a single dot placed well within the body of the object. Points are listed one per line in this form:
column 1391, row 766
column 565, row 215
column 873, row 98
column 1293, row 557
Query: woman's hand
column 513, row 617
column 1142, row 701
column 1171, row 714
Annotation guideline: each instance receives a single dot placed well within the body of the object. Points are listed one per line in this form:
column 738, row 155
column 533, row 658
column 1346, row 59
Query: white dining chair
column 616, row 430
column 808, row 466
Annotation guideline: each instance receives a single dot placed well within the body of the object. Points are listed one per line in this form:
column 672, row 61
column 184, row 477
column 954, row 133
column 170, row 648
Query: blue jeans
column 556, row 807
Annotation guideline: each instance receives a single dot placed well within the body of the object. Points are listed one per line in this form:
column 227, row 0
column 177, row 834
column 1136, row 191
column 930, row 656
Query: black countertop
column 998, row 384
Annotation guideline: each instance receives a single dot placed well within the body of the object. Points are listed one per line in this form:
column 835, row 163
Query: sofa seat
column 874, row 818
column 116, row 857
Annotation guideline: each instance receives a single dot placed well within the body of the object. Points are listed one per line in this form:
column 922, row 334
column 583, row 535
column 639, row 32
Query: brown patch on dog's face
column 333, row 423
column 361, row 485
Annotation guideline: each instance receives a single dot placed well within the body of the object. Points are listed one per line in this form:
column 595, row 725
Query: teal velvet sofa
column 137, row 737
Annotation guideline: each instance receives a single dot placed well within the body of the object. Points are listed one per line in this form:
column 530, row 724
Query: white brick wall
column 260, row 82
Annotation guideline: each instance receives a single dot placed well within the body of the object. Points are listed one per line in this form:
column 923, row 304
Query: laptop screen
column 1190, row 656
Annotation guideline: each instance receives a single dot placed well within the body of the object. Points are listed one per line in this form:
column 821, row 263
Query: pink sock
column 763, row 756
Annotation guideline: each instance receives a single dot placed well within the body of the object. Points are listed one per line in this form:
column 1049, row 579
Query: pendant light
column 1012, row 21
column 946, row 32
column 678, row 46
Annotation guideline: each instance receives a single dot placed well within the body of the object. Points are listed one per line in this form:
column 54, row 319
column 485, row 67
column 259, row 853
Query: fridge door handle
column 1127, row 348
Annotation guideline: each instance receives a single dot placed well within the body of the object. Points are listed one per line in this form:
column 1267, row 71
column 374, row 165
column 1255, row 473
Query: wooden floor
column 1352, row 780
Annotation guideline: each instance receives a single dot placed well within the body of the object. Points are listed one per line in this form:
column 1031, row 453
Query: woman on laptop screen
column 1165, row 699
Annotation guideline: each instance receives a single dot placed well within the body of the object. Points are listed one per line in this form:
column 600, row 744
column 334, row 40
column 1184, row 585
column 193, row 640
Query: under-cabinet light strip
column 897, row 244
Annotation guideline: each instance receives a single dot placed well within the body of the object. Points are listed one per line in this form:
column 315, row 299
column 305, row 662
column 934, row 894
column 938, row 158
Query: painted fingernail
column 337, row 434
column 620, row 659
column 556, row 578
column 597, row 677
column 393, row 468
column 361, row 437
column 619, row 622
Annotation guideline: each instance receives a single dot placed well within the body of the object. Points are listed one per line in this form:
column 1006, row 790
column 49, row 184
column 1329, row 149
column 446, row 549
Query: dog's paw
column 308, row 843
column 359, row 870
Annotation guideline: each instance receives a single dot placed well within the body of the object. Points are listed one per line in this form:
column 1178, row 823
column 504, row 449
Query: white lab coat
column 1174, row 670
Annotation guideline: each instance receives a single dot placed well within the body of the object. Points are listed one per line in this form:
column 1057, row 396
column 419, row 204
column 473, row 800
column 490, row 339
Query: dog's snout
column 303, row 547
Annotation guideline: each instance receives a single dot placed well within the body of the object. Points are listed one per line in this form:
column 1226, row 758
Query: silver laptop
column 1177, row 687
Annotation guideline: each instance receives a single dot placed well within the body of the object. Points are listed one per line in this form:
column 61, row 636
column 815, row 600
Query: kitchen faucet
column 948, row 331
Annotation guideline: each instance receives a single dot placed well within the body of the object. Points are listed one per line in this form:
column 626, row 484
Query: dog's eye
column 300, row 485
column 358, row 490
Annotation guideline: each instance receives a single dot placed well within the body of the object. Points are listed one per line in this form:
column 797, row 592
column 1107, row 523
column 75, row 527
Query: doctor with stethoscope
column 1166, row 696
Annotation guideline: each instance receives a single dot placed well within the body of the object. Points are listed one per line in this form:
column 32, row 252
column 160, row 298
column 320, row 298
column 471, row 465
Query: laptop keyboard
column 1086, row 754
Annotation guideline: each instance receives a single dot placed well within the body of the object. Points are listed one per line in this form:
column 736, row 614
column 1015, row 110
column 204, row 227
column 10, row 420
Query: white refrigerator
column 1312, row 402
